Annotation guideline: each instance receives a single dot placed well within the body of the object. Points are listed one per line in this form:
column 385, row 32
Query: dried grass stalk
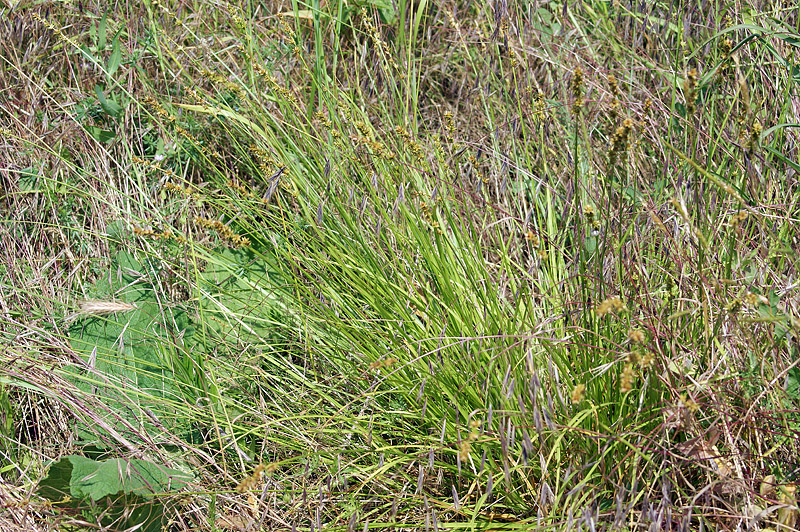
column 100, row 308
column 104, row 307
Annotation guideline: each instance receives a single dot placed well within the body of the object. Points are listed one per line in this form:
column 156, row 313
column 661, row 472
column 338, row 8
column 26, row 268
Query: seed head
column 690, row 91
column 636, row 336
column 626, row 378
column 101, row 308
column 578, row 393
column 576, row 87
column 612, row 305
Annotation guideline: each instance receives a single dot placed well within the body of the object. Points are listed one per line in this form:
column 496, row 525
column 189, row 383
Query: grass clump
column 400, row 266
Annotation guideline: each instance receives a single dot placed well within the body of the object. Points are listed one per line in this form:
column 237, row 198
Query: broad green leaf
column 633, row 195
column 793, row 384
column 96, row 480
column 101, row 32
column 100, row 135
column 386, row 10
column 116, row 57
column 111, row 107
column 130, row 356
column 128, row 487
column 234, row 296
column 28, row 180
column 590, row 244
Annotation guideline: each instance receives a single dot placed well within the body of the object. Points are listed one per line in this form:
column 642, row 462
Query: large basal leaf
column 129, row 357
column 239, row 298
column 123, row 492
column 148, row 365
column 84, row 478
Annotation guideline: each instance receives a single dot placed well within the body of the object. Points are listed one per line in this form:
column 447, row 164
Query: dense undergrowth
column 373, row 265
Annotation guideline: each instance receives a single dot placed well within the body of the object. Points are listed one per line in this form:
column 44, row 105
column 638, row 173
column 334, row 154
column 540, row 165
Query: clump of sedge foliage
column 372, row 265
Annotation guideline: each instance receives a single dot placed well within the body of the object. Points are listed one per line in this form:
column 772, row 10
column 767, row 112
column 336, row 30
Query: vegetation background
column 372, row 264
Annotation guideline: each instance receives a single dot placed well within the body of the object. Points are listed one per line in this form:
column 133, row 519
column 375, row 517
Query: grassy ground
column 393, row 265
